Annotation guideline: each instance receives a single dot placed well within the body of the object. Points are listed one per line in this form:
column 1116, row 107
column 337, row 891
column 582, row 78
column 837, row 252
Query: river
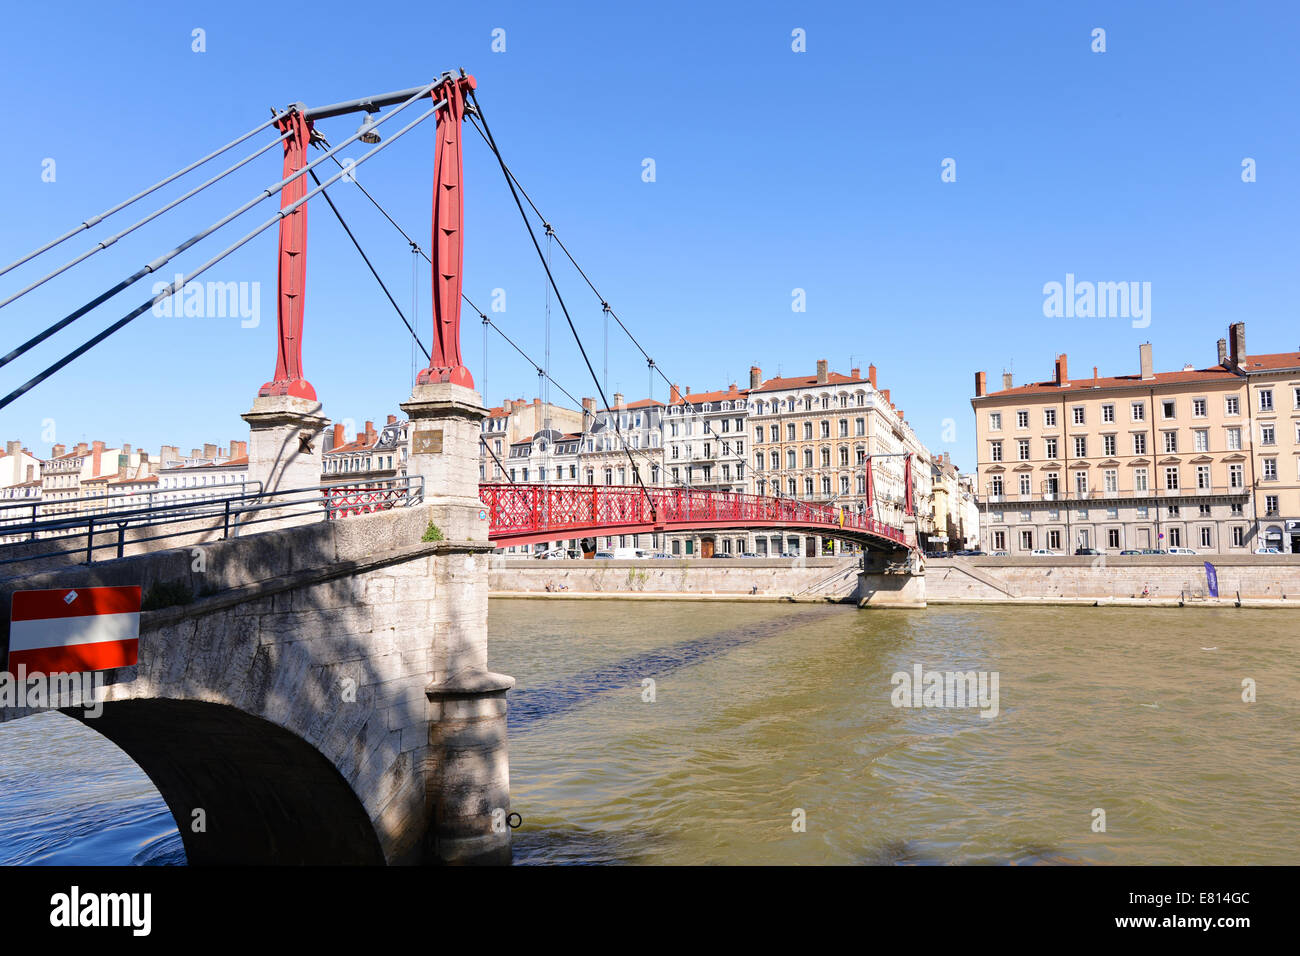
column 769, row 736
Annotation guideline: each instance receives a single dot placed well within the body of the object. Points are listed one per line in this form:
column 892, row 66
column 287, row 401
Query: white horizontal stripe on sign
column 69, row 631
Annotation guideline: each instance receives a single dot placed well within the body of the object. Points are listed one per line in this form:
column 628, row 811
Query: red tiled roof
column 1216, row 373
column 807, row 381
column 1273, row 360
column 719, row 396
column 641, row 403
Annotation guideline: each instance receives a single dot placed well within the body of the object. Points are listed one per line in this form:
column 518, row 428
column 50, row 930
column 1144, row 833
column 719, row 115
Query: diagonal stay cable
column 180, row 283
column 95, row 220
column 105, row 243
column 636, row 472
column 207, row 231
column 366, row 259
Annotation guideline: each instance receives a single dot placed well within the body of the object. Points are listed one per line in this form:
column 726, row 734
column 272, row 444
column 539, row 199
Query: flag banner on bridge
column 65, row 630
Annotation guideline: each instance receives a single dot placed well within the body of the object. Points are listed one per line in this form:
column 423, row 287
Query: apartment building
column 1273, row 407
column 373, row 455
column 704, row 439
column 1145, row 460
column 811, row 437
column 516, row 420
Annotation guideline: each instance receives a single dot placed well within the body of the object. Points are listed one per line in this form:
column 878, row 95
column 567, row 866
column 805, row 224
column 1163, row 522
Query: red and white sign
column 66, row 630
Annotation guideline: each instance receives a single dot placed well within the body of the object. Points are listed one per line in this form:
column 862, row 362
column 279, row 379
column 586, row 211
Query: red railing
column 516, row 511
column 344, row 501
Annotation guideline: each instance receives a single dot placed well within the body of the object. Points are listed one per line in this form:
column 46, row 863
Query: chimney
column 674, row 395
column 392, row 420
column 13, row 447
column 370, row 433
column 755, row 376
column 58, row 450
column 537, row 401
column 980, row 390
column 1094, row 373
column 855, row 373
column 338, row 437
column 209, row 450
column 507, row 405
column 84, row 449
column 589, row 406
column 1006, row 381
column 165, row 457
column 238, row 449
column 1223, row 352
column 885, row 392
column 126, row 450
column 821, row 372
column 871, row 375
column 97, row 455
column 900, row 414
column 618, row 399
column 732, row 389
column 31, row 471
column 1144, row 358
column 1062, row 371
column 1237, row 344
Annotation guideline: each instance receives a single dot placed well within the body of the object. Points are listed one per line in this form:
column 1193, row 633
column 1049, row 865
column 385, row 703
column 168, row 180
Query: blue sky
column 775, row 170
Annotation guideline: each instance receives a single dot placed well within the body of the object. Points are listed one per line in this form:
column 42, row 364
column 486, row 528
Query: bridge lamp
column 368, row 133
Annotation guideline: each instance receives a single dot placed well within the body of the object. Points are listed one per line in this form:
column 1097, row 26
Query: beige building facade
column 1145, row 461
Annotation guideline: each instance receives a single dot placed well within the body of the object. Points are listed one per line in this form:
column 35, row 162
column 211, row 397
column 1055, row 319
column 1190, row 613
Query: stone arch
column 268, row 796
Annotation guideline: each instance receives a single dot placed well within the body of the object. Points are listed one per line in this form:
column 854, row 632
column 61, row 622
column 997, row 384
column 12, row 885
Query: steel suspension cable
column 207, row 231
column 95, row 220
column 176, row 286
column 104, row 244
column 636, row 472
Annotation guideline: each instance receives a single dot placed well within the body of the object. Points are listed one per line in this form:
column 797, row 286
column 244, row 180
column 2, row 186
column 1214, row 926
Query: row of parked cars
column 625, row 554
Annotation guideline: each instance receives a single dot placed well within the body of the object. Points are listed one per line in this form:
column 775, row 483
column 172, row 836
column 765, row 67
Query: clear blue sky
column 775, row 170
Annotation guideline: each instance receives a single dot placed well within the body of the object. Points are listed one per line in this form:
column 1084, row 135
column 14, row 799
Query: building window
column 1270, row 469
column 1050, row 448
column 1201, row 439
column 1139, row 411
column 1077, row 412
column 1203, row 477
column 1108, row 444
column 1139, row 443
column 1236, row 476
column 999, row 540
column 1026, row 485
column 1232, row 405
column 1265, row 399
column 1168, row 408
column 1175, row 537
column 1023, row 444
column 1234, row 439
column 807, row 458
column 1107, row 414
column 807, row 430
column 995, row 485
column 789, row 432
column 1111, row 478
column 1081, row 483
column 1022, row 419
column 1026, row 541
column 995, row 451
column 1205, row 511
column 1141, row 512
column 1171, row 477
column 1112, row 537
column 1171, row 442
column 1080, row 446
column 1270, row 505
column 1198, row 408
column 995, row 421
column 1267, row 435
column 1049, row 417
column 1173, row 511
column 844, row 456
column 1238, row 536
column 1054, row 540
column 859, row 426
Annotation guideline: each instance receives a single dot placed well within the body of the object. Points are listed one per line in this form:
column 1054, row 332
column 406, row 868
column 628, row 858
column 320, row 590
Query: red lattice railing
column 571, row 510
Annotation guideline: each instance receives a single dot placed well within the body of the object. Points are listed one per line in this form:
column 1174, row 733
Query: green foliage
column 166, row 594
column 432, row 533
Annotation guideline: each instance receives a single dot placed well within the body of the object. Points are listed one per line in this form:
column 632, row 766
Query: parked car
column 622, row 554
column 938, row 554
column 562, row 554
column 1001, row 554
column 1153, row 551
column 1086, row 551
column 972, row 553
column 1043, row 553
column 659, row 554
column 1268, row 551
column 1181, row 551
column 749, row 554
column 722, row 554
column 1130, row 551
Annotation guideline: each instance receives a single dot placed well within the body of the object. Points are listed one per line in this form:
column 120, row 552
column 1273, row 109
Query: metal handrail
column 51, row 504
column 237, row 512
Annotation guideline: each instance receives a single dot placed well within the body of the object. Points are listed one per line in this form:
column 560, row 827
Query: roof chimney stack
column 822, row 372
column 1237, row 344
column 1062, row 370
column 871, row 375
column 618, row 399
column 339, row 440
column 1006, row 381
column 1223, row 352
column 755, row 376
column 674, row 395
column 979, row 384
column 1144, row 358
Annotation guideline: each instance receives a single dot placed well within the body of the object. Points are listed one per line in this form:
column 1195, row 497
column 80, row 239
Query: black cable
column 636, row 472
column 366, row 258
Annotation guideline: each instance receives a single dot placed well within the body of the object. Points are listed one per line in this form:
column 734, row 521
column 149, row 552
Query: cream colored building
column 1273, row 381
column 1124, row 462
